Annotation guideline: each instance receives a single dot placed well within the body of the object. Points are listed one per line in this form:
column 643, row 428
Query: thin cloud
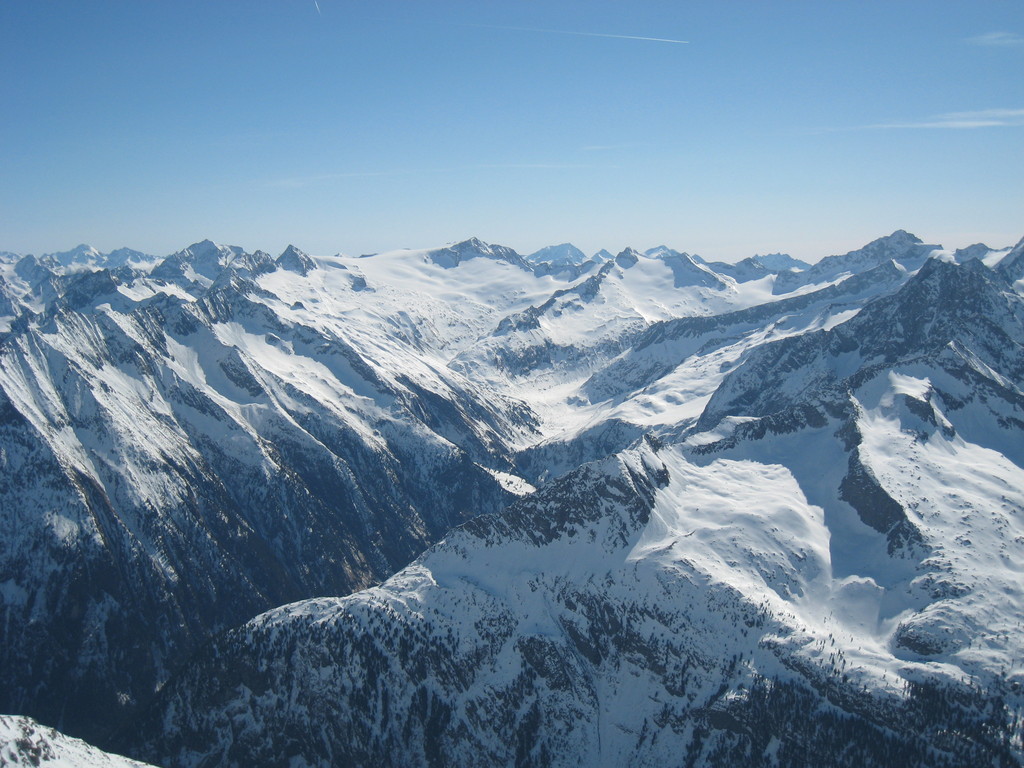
column 581, row 34
column 984, row 118
column 997, row 39
column 317, row 8
column 298, row 182
column 998, row 116
column 540, row 166
column 607, row 147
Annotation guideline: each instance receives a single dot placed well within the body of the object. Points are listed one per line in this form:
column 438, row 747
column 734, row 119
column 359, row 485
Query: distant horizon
column 589, row 253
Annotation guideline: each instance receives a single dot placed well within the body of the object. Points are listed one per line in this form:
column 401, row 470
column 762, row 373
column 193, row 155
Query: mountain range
column 460, row 506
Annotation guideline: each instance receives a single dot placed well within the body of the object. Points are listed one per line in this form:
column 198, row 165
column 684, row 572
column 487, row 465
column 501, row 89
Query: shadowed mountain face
column 769, row 528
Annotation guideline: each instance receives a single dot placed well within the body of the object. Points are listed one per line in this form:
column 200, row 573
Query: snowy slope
column 664, row 377
column 823, row 569
column 438, row 300
column 964, row 319
column 553, row 347
column 651, row 609
column 24, row 742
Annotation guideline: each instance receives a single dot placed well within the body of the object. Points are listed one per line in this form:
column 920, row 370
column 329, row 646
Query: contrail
column 581, row 34
column 317, row 8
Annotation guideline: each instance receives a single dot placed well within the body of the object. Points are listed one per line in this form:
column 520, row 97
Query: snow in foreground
column 24, row 742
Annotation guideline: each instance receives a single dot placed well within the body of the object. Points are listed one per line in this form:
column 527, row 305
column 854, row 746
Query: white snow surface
column 24, row 743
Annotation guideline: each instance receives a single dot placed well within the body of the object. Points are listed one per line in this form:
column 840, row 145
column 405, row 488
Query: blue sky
column 804, row 127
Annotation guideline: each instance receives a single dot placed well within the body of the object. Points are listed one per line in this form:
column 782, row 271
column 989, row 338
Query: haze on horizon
column 719, row 129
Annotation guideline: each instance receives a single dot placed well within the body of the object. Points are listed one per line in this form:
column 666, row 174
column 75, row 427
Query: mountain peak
column 207, row 248
column 778, row 262
column 291, row 251
column 203, row 246
column 203, row 261
column 628, row 257
column 564, row 254
column 294, row 260
column 660, row 251
column 899, row 244
column 901, row 236
column 123, row 256
column 454, row 255
column 936, row 305
column 80, row 254
column 473, row 243
column 686, row 272
column 34, row 268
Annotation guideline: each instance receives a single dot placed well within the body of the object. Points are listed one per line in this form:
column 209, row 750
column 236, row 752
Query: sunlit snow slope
column 25, row 743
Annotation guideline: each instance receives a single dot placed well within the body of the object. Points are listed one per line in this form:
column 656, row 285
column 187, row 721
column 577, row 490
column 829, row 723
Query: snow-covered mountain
column 87, row 256
column 763, row 518
column 565, row 261
column 901, row 247
column 808, row 574
column 778, row 262
column 565, row 254
column 758, row 266
column 178, row 456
